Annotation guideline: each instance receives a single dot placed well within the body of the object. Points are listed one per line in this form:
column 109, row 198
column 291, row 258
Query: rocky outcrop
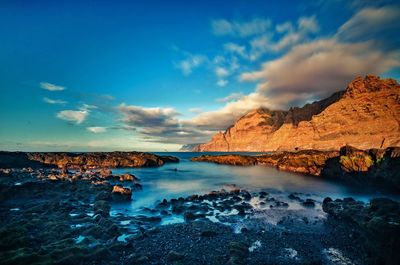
column 378, row 222
column 365, row 115
column 379, row 167
column 120, row 193
column 307, row 161
column 83, row 160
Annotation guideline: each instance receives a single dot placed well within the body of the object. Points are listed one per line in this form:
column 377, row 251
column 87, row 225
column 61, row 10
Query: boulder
column 121, row 193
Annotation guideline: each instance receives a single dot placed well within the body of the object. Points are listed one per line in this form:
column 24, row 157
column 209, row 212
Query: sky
column 153, row 75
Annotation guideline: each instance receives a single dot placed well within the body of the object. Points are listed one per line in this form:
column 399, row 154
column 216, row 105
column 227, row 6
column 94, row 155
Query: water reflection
column 187, row 178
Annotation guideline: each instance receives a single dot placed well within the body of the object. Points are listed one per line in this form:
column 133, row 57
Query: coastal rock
column 379, row 221
column 83, row 161
column 128, row 177
column 175, row 256
column 102, row 208
column 121, row 193
column 365, row 115
column 105, row 172
column 377, row 167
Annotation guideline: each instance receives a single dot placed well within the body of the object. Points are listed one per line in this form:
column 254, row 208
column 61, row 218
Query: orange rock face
column 366, row 115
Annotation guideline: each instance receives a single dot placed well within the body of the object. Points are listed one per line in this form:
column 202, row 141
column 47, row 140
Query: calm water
column 199, row 178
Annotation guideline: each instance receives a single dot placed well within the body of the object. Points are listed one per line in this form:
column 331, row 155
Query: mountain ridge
column 352, row 116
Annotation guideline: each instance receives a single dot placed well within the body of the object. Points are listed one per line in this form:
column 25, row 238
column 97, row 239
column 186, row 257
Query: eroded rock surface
column 83, row 160
column 365, row 115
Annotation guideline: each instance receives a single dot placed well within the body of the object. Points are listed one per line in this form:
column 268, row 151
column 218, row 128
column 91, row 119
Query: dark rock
column 175, row 256
column 102, row 207
column 208, row 233
column 308, row 203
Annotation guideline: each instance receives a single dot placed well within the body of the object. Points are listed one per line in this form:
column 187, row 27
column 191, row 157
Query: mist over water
column 187, row 178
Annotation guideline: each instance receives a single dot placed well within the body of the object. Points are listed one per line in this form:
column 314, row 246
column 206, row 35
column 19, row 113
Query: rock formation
column 83, row 160
column 366, row 115
column 378, row 167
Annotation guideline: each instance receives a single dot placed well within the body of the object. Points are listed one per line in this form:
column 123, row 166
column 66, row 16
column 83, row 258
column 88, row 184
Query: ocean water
column 187, row 178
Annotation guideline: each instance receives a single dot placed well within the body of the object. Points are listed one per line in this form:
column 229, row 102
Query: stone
column 175, row 256
column 102, row 207
column 121, row 193
column 308, row 203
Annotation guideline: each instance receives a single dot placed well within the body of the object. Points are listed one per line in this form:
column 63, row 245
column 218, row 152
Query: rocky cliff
column 366, row 115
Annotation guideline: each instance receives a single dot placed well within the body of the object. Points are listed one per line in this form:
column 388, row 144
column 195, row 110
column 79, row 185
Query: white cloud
column 223, row 27
column 76, row 116
column 290, row 36
column 54, row 101
column 224, row 117
column 51, row 87
column 236, row 49
column 191, row 62
column 371, row 23
column 231, row 97
column 308, row 24
column 96, row 129
column 314, row 68
column 221, row 71
column 222, row 82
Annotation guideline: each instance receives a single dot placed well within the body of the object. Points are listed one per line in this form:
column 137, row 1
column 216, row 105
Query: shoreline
column 42, row 219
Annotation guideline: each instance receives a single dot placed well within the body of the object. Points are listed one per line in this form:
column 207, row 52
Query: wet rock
column 163, row 204
column 102, row 208
column 378, row 221
column 105, row 172
column 292, row 196
column 128, row 177
column 137, row 259
column 308, row 203
column 175, row 256
column 191, row 216
column 208, row 233
column 121, row 193
column 103, row 196
column 149, row 219
column 246, row 195
column 263, row 194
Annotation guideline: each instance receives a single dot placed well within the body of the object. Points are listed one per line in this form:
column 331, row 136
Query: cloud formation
column 54, row 101
column 310, row 70
column 223, row 27
column 51, row 87
column 190, row 62
column 76, row 116
column 96, row 129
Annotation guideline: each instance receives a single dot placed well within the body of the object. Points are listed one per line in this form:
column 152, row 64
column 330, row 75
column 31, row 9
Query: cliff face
column 366, row 115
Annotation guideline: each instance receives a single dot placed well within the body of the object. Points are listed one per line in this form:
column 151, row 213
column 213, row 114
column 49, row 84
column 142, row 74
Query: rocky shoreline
column 65, row 215
column 378, row 167
column 82, row 160
column 68, row 220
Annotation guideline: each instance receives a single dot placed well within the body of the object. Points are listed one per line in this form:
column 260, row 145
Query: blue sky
column 153, row 75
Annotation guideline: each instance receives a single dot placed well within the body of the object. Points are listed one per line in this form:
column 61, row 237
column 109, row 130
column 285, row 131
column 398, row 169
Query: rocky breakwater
column 83, row 160
column 380, row 167
column 376, row 224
